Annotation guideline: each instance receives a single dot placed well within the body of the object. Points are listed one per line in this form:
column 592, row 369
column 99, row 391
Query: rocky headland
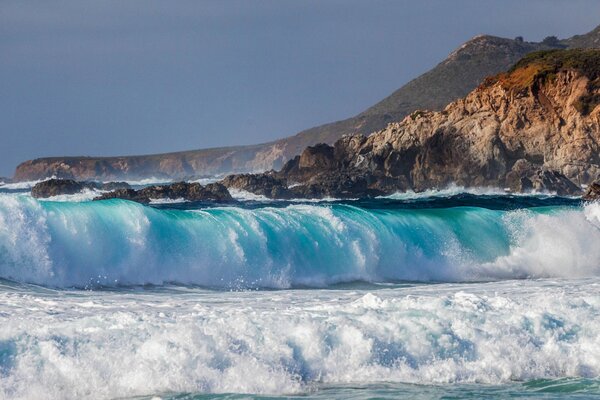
column 535, row 127
column 453, row 78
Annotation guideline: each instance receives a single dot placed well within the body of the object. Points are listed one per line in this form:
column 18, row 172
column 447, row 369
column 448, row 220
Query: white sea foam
column 206, row 181
column 165, row 181
column 104, row 345
column 168, row 201
column 23, row 185
column 84, row 195
column 146, row 181
column 453, row 190
column 243, row 195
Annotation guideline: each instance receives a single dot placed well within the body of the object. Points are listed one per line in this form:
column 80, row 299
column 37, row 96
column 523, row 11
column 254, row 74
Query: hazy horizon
column 116, row 78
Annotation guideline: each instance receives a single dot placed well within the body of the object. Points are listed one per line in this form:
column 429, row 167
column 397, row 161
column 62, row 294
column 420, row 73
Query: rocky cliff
column 456, row 76
column 536, row 127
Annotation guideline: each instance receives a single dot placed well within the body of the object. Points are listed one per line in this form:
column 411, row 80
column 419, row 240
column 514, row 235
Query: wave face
column 122, row 243
column 115, row 344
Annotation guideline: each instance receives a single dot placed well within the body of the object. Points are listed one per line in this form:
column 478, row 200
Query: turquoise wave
column 123, row 243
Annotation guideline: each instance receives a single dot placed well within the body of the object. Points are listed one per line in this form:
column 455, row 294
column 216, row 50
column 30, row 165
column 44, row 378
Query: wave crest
column 119, row 242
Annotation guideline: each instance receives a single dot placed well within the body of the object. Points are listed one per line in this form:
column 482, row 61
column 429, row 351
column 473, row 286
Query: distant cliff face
column 460, row 73
column 534, row 127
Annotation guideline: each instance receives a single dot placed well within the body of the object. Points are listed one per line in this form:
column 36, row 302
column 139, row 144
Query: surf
column 115, row 243
column 448, row 338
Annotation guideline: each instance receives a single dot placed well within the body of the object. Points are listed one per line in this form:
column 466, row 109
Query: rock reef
column 213, row 192
column 56, row 187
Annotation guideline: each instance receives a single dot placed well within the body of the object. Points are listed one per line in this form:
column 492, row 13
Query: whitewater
column 434, row 295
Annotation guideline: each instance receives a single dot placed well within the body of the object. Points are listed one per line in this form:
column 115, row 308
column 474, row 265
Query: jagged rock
column 554, row 181
column 593, row 192
column 319, row 156
column 180, row 190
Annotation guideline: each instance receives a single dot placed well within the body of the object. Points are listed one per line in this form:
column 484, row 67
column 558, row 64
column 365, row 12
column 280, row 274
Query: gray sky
column 134, row 77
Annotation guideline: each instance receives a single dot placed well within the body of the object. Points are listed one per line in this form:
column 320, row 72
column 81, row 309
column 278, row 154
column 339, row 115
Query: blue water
column 449, row 295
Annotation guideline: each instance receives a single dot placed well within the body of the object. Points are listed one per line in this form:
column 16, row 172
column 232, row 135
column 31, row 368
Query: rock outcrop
column 213, row 192
column 593, row 192
column 56, row 187
column 455, row 77
column 535, row 127
column 266, row 184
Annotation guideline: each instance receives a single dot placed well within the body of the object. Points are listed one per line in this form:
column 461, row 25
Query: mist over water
column 411, row 296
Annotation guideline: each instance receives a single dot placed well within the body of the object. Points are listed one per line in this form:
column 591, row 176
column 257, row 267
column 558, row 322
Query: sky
column 142, row 76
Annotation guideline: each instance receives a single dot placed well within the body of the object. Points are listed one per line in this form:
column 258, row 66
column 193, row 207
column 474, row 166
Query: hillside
column 535, row 127
column 461, row 72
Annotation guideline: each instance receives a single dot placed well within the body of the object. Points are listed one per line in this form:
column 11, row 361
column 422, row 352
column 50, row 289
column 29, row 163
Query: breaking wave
column 122, row 243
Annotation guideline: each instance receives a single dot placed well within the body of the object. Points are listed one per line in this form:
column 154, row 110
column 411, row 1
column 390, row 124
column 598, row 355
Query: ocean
column 438, row 295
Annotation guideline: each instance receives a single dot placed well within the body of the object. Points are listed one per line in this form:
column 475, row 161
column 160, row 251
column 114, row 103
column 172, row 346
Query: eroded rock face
column 524, row 130
column 181, row 190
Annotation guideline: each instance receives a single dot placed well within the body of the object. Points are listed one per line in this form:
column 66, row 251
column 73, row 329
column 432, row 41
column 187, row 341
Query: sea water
column 435, row 295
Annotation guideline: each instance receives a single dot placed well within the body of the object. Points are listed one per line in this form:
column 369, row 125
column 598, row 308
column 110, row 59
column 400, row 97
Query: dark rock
column 525, row 177
column 554, row 181
column 125, row 194
column 179, row 190
column 593, row 192
column 55, row 187
column 114, row 185
column 267, row 184
column 319, row 157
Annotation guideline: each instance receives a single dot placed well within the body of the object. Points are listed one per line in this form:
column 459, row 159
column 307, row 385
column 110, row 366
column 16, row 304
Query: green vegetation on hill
column 586, row 61
column 541, row 66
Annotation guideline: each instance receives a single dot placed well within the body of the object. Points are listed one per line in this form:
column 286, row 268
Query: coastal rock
column 56, row 187
column 181, row 190
column 534, row 128
column 266, row 184
column 593, row 192
column 114, row 186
